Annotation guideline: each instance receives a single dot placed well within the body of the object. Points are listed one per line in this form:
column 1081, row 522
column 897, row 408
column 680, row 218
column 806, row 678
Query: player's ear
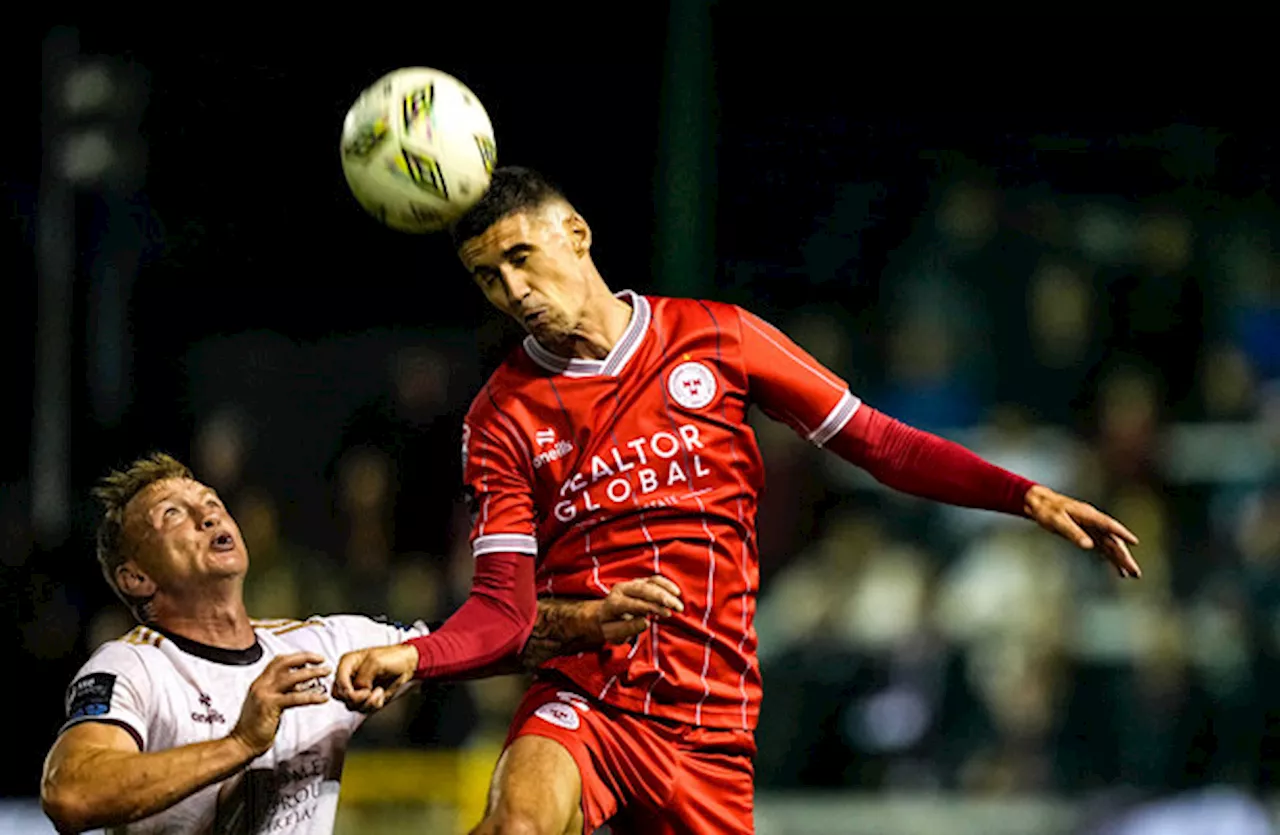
column 133, row 581
column 575, row 226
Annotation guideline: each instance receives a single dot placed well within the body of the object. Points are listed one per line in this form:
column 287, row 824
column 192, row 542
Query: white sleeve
column 114, row 687
column 354, row 632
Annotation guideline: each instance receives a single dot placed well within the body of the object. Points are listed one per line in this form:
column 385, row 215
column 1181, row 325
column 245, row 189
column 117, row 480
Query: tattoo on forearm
column 557, row 631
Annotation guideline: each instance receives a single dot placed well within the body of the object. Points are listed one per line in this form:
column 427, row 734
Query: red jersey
column 641, row 463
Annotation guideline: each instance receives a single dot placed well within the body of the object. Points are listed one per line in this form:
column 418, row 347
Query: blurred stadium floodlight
column 91, row 114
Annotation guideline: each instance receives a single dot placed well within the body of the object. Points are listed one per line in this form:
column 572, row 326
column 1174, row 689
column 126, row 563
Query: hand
column 288, row 681
column 623, row 614
column 1085, row 526
column 567, row 626
column 369, row 678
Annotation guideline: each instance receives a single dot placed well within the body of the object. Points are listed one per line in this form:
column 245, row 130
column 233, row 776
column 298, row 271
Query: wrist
column 1034, row 499
column 418, row 655
column 243, row 750
column 591, row 617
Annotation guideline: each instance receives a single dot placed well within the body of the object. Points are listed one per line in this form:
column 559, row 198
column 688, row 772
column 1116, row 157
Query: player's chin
column 227, row 563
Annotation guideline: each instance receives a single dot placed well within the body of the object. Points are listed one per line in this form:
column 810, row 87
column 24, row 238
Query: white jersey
column 167, row 691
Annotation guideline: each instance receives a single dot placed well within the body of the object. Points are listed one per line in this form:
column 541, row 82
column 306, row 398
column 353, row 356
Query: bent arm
column 95, row 776
column 490, row 628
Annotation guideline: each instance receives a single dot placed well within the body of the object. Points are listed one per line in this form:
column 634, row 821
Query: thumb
column 342, row 677
column 367, row 672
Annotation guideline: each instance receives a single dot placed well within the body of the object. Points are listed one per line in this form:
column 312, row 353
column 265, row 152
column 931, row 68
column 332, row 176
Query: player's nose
column 517, row 287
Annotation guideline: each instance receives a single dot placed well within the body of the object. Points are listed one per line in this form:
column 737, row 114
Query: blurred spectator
column 417, row 426
column 221, row 448
column 1228, row 388
column 926, row 387
column 1127, row 415
column 284, row 579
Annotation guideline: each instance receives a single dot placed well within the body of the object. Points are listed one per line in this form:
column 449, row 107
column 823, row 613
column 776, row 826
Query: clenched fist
column 369, row 678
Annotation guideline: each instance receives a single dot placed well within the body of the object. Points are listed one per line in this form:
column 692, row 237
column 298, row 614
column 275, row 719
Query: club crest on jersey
column 692, row 385
column 560, row 715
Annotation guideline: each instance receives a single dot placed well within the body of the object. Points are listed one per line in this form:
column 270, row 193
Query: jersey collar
column 617, row 359
column 218, row 655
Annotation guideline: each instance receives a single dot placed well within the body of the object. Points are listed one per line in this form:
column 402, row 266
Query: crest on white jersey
column 692, row 385
column 560, row 715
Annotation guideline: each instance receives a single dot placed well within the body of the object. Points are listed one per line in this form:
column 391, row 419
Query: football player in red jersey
column 613, row 444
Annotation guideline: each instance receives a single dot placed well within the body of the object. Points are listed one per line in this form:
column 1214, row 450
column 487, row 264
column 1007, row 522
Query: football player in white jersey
column 203, row 720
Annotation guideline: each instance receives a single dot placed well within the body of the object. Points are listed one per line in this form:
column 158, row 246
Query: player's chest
column 207, row 707
column 647, row 436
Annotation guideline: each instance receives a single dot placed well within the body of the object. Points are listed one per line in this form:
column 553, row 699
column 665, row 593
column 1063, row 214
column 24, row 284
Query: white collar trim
column 617, row 359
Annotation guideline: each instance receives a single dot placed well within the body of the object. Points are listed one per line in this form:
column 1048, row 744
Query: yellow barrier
column 414, row 790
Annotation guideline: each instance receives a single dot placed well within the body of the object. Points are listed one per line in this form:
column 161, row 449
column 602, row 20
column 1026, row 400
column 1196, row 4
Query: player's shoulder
column 514, row 374
column 128, row 655
column 330, row 634
column 292, row 630
column 693, row 312
column 519, row 380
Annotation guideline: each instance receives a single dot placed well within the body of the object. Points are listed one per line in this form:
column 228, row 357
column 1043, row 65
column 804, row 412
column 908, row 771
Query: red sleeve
column 489, row 628
column 496, row 619
column 791, row 386
column 925, row 465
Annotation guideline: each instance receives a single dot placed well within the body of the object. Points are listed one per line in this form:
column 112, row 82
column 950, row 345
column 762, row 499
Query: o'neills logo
column 557, row 452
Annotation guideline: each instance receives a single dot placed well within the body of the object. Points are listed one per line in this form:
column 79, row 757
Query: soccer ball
column 417, row 149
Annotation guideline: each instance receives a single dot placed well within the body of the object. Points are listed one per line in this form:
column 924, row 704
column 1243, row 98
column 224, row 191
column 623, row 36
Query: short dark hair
column 114, row 492
column 511, row 189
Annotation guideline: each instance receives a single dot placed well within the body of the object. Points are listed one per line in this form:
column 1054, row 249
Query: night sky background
column 248, row 223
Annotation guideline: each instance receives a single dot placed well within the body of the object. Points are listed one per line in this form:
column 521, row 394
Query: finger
column 298, row 659
column 377, row 699
column 652, row 592
column 342, row 679
column 356, row 700
column 303, row 697
column 293, row 678
column 1114, row 527
column 1118, row 552
column 367, row 673
column 1067, row 527
column 1093, row 517
column 627, row 608
column 619, row 632
column 671, row 587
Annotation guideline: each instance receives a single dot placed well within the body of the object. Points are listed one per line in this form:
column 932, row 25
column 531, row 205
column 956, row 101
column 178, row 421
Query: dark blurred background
column 1057, row 245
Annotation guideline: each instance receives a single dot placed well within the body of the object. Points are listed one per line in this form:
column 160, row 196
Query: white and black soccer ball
column 417, row 149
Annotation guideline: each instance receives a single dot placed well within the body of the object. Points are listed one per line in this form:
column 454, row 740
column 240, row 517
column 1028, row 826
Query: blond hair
column 116, row 489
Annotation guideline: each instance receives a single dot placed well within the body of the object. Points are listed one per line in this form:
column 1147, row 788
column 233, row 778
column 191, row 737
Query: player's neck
column 603, row 322
column 217, row 622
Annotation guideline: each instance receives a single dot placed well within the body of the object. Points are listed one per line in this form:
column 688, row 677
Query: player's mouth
column 533, row 316
column 223, row 542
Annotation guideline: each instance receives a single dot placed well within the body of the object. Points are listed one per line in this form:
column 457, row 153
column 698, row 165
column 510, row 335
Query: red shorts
column 645, row 775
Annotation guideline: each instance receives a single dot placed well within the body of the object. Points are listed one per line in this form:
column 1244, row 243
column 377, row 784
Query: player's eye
column 170, row 512
column 518, row 259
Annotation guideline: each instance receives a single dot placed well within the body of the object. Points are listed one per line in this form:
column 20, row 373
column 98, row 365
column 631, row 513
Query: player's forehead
column 526, row 226
column 163, row 490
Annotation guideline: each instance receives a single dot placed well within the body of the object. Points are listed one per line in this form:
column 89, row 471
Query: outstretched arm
column 791, row 386
column 925, row 465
